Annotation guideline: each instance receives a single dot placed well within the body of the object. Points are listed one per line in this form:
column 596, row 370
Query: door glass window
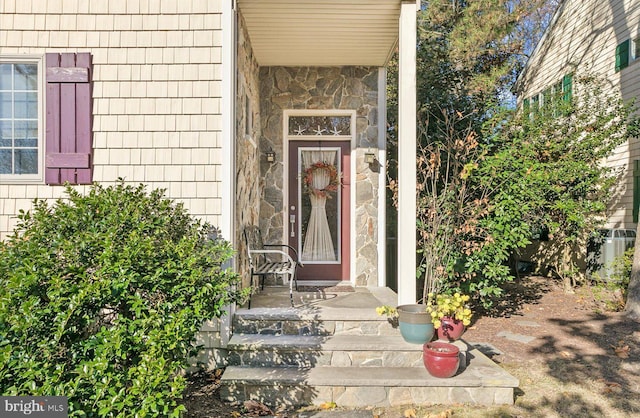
column 320, row 125
column 319, row 195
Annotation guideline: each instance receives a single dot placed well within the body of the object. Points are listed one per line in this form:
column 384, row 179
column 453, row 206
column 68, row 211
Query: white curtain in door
column 318, row 245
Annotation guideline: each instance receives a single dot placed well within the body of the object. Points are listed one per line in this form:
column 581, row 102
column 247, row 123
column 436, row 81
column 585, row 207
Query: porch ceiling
column 321, row 32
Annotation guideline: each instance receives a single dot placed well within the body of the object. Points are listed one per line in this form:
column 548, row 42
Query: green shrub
column 621, row 270
column 611, row 290
column 101, row 297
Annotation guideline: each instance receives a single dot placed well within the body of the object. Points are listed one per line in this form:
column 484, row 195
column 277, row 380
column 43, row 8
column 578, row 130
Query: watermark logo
column 34, row 406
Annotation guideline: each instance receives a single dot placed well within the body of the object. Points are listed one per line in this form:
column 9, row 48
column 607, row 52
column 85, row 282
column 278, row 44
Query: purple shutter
column 68, row 136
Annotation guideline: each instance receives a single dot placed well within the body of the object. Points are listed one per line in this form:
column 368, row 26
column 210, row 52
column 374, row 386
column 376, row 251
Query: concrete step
column 315, row 350
column 480, row 382
column 311, row 321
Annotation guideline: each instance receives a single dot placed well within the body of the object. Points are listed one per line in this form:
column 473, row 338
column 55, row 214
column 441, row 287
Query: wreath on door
column 321, row 166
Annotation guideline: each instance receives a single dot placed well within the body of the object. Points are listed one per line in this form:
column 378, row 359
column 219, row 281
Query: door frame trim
column 352, row 170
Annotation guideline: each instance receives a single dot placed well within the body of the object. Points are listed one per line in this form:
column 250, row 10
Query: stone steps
column 353, row 357
column 333, row 350
column 293, row 321
column 482, row 382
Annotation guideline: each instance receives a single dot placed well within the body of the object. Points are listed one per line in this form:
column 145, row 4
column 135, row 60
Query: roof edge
column 554, row 19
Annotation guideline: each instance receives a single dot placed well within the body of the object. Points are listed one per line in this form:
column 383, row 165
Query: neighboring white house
column 197, row 96
column 599, row 37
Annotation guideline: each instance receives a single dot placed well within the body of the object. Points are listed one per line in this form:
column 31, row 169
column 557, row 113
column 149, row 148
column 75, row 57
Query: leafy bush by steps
column 101, row 297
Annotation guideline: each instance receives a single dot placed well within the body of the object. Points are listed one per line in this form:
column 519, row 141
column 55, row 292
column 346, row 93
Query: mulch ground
column 573, row 325
column 538, row 330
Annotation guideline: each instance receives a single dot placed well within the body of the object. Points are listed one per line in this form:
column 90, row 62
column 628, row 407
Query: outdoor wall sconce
column 271, row 156
column 369, row 157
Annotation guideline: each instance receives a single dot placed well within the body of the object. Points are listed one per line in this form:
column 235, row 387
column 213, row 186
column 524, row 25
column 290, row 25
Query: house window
column 635, row 49
column 556, row 98
column 557, row 92
column 546, row 101
column 62, row 152
column 20, row 121
column 549, row 100
column 535, row 104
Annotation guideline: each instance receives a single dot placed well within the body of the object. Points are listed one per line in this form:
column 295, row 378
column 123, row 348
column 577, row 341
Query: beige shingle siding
column 157, row 88
column 584, row 38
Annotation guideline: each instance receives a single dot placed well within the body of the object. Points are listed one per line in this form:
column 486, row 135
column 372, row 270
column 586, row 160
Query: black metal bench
column 264, row 261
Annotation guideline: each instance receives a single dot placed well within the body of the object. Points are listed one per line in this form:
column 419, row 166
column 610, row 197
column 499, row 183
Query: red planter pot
column 450, row 329
column 441, row 359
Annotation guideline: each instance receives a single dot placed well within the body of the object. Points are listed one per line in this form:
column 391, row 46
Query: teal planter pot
column 415, row 324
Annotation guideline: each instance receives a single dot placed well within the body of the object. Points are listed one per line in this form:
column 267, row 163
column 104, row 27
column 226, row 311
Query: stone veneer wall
column 354, row 88
column 249, row 182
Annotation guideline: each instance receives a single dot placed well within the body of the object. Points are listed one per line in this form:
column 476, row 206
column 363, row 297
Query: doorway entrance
column 319, row 207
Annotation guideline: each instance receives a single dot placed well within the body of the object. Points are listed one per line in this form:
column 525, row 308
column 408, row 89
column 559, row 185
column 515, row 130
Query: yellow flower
column 386, row 310
column 451, row 306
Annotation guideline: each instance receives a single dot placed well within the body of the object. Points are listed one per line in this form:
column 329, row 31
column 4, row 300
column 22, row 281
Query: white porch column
column 407, row 153
column 228, row 190
column 227, row 207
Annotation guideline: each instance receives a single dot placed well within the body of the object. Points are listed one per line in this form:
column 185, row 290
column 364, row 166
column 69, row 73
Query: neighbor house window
column 548, row 100
column 535, row 104
column 635, row 49
column 20, row 122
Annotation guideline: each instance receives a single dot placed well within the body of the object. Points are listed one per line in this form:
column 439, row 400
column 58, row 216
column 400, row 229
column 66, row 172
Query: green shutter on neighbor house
column 636, row 189
column 622, row 55
column 526, row 106
column 567, row 87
